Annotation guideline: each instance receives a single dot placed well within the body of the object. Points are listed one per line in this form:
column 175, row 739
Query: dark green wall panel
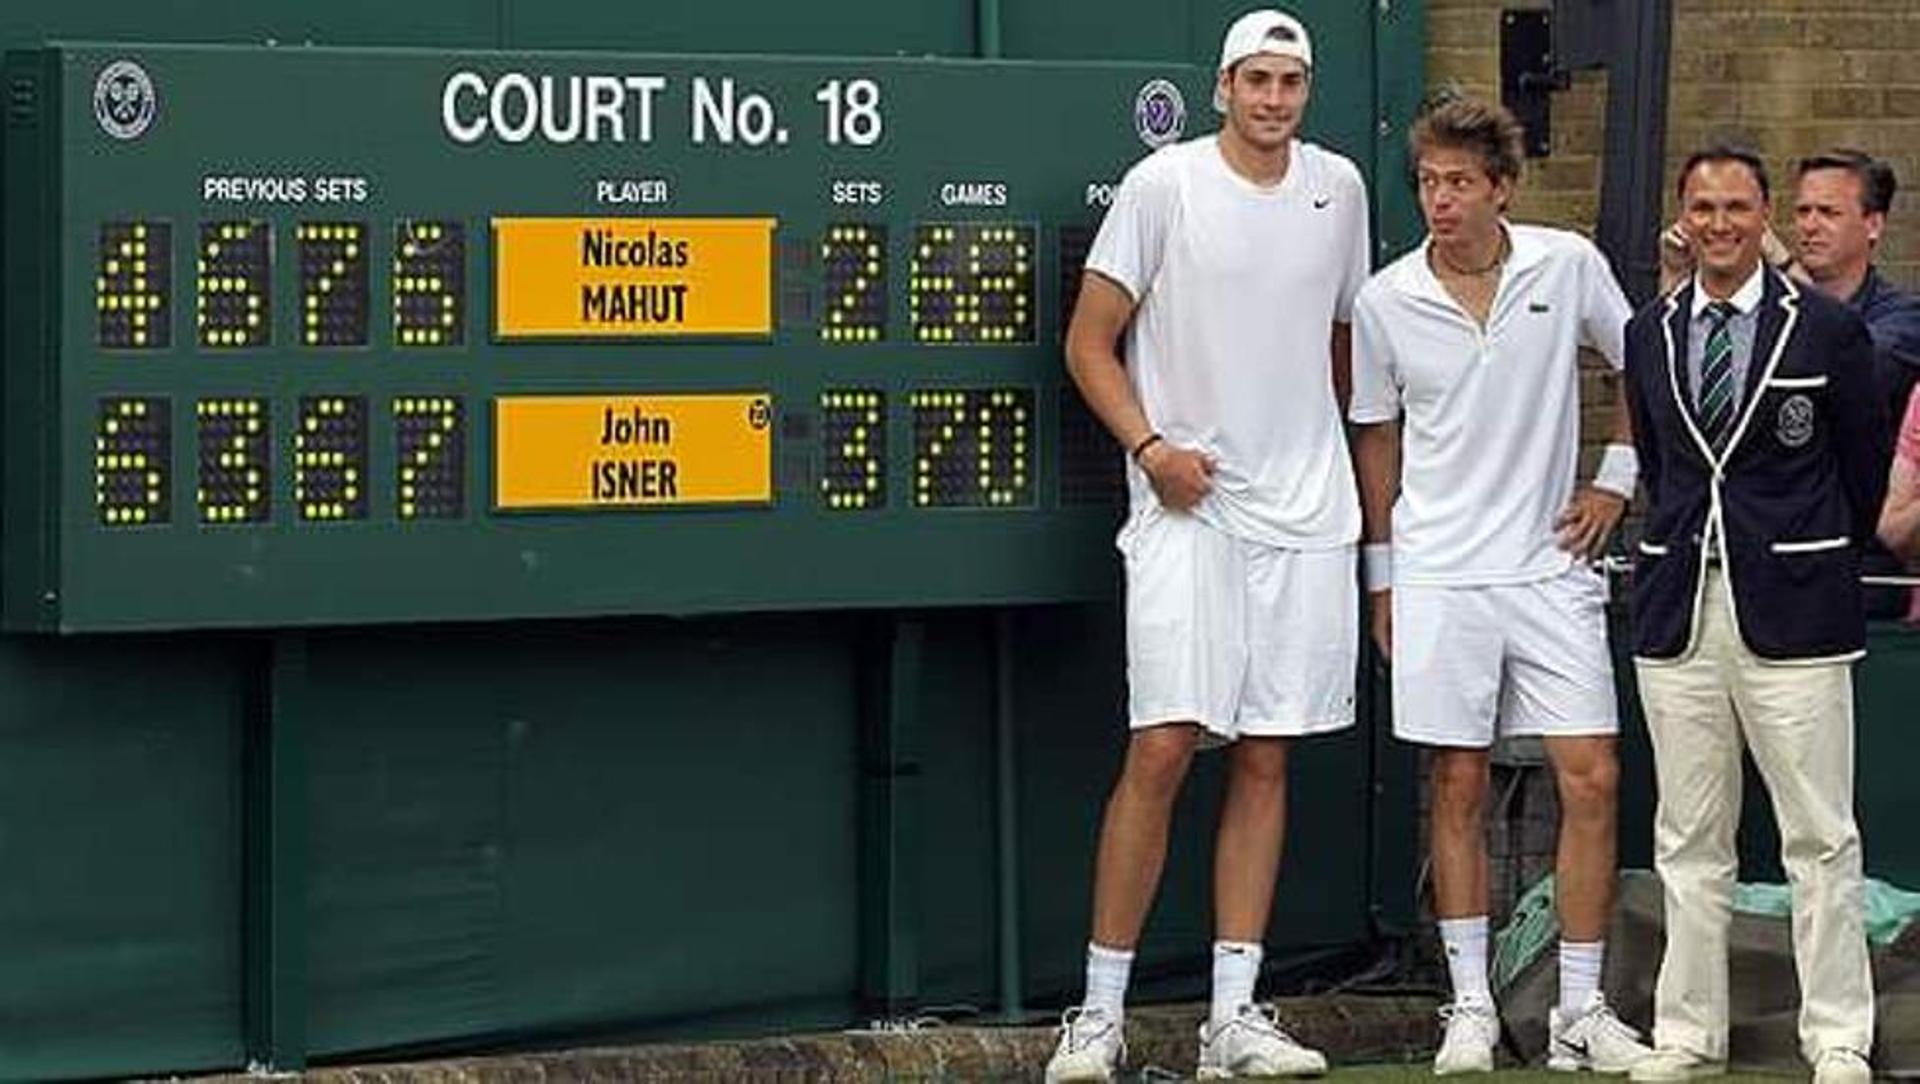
column 437, row 23
column 1886, row 707
column 957, row 869
column 119, row 842
column 570, row 826
column 871, row 28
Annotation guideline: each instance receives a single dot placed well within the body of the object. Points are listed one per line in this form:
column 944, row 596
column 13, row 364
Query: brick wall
column 1789, row 76
column 1796, row 76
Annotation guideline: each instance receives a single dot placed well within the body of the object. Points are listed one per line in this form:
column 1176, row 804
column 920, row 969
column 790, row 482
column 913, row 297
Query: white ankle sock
column 1107, row 972
column 1236, row 968
column 1466, row 944
column 1580, row 963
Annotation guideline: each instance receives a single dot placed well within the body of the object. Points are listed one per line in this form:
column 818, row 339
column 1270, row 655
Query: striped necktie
column 1716, row 378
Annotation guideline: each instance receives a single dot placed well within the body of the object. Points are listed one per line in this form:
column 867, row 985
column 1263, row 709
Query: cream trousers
column 1798, row 722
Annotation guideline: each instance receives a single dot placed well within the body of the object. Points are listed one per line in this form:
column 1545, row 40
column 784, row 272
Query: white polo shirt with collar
column 1490, row 416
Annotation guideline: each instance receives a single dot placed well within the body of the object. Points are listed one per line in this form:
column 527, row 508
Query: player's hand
column 1180, row 476
column 1588, row 521
column 1381, row 605
column 1777, row 254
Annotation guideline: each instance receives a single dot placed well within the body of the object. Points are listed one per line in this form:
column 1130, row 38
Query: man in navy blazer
column 1763, row 455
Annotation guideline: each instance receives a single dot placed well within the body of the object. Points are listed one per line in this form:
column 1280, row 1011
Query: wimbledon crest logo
column 123, row 100
column 1159, row 113
column 1794, row 426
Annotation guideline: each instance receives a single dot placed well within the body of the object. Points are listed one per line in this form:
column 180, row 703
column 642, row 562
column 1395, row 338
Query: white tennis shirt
column 1490, row 435
column 1238, row 287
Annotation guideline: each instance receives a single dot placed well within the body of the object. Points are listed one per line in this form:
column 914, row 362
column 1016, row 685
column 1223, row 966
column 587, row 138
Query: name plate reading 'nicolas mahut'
column 632, row 278
column 624, row 451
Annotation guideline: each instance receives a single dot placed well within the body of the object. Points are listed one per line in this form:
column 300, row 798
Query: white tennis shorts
column 1474, row 663
column 1241, row 638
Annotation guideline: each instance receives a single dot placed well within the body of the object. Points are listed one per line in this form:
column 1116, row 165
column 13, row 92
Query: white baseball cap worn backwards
column 1269, row 32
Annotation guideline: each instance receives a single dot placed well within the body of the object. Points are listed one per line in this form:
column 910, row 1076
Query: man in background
column 1841, row 204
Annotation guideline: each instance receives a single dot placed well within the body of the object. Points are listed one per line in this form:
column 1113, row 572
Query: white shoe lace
column 1262, row 1017
column 1606, row 1021
column 1074, row 1036
column 1464, row 1011
column 1600, row 1022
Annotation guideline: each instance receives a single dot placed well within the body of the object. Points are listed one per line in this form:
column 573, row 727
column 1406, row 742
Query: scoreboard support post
column 891, row 852
column 274, row 946
column 1006, row 812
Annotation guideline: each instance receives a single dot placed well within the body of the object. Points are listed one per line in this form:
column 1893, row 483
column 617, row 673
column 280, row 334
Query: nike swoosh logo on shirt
column 1320, row 202
column 1538, row 306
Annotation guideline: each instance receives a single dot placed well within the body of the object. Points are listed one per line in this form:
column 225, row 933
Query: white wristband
column 1619, row 471
column 1376, row 566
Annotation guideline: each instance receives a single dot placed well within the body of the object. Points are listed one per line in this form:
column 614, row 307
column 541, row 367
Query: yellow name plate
column 632, row 278
column 623, row 451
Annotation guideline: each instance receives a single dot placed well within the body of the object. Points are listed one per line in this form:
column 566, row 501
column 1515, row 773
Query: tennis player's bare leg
column 1246, row 854
column 1133, row 835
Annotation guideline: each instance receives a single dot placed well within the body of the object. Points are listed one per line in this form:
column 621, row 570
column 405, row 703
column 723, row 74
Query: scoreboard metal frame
column 329, row 336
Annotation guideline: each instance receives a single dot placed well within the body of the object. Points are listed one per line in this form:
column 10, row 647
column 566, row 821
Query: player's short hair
column 1725, row 152
column 1877, row 182
column 1487, row 129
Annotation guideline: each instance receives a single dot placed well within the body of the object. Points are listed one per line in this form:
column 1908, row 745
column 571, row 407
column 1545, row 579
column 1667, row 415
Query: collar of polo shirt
column 1525, row 253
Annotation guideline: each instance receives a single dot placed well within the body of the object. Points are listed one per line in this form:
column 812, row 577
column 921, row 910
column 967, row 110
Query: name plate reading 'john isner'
column 624, row 451
column 632, row 278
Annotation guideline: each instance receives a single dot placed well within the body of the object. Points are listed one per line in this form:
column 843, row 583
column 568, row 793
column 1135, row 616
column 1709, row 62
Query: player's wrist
column 1376, row 566
column 1146, row 449
column 1619, row 471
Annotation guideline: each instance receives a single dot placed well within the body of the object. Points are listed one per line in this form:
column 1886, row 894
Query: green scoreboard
column 317, row 336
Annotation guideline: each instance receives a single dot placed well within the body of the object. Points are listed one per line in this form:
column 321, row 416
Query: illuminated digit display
column 429, row 283
column 132, row 453
column 236, row 456
column 236, row 297
column 430, row 437
column 973, row 448
column 330, row 458
column 333, row 283
column 854, row 276
column 853, row 441
column 972, row 283
column 1091, row 470
column 133, row 285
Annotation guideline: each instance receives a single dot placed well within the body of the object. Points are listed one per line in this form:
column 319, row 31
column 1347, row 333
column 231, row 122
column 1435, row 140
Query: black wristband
column 1146, row 442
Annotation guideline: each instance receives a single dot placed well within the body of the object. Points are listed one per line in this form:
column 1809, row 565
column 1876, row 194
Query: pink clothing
column 1909, row 446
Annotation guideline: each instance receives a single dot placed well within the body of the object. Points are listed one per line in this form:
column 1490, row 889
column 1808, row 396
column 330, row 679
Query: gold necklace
column 1499, row 257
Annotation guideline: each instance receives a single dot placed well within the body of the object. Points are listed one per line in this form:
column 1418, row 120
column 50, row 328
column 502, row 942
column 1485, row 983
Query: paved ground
column 1384, row 1040
column 1162, row 1041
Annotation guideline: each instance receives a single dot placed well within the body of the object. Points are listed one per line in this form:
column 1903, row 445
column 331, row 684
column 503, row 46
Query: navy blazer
column 1796, row 492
